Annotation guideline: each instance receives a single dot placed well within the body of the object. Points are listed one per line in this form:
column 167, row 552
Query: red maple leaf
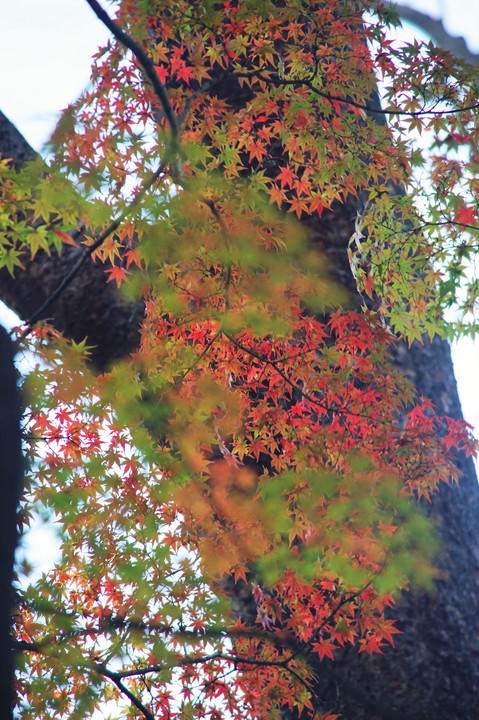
column 162, row 72
column 465, row 216
column 118, row 274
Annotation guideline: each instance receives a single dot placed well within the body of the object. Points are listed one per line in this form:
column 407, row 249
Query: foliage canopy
column 260, row 434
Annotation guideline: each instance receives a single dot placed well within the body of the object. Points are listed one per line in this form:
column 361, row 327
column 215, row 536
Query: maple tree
column 259, row 440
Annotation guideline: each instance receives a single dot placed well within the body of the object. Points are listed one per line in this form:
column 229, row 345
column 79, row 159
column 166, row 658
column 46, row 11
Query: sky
column 45, row 51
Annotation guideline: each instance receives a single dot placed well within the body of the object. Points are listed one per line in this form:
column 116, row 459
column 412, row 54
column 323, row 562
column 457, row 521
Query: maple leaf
column 117, row 273
column 466, row 216
column 162, row 72
column 371, row 644
column 185, row 72
column 132, row 256
column 286, row 177
column 324, row 648
column 253, row 434
column 277, row 195
column 65, row 238
column 316, row 204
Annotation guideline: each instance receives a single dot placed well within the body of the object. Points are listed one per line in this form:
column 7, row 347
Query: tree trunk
column 433, row 672
column 11, row 488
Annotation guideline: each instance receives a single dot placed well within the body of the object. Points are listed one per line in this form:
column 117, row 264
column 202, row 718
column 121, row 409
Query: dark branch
column 99, row 240
column 278, row 81
column 142, row 57
column 435, row 28
column 11, row 488
column 89, row 307
column 116, row 678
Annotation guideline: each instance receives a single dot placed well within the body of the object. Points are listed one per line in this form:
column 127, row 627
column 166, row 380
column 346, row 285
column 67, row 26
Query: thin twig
column 305, row 395
column 277, row 81
column 195, row 363
column 116, row 678
column 88, row 252
column 142, row 57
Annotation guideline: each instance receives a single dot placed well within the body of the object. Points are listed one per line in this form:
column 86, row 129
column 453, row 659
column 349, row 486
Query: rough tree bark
column 11, row 487
column 433, row 672
column 88, row 307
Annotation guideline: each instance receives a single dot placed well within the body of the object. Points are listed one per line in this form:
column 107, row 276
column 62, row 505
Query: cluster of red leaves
column 320, row 526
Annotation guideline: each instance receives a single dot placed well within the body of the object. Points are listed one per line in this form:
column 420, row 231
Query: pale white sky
column 460, row 17
column 45, row 50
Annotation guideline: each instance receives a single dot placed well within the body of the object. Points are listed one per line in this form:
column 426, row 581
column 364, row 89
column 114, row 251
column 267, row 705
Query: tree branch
column 99, row 240
column 116, row 678
column 435, row 28
column 142, row 57
column 89, row 307
column 278, row 81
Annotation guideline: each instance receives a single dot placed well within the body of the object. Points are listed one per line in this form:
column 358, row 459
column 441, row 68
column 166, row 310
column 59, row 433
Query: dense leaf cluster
column 260, row 437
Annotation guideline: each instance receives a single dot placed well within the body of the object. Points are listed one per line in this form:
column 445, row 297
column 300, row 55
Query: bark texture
column 433, row 673
column 10, row 487
column 89, row 307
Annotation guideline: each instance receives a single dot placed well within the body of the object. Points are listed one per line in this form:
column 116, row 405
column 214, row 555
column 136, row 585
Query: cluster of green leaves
column 224, row 453
column 420, row 248
column 23, row 228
